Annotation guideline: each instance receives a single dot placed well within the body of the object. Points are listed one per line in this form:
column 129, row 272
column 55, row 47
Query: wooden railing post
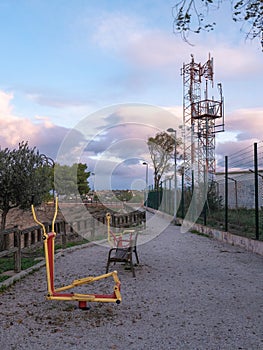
column 64, row 234
column 17, row 254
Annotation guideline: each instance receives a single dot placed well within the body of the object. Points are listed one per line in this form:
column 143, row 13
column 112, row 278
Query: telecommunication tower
column 203, row 117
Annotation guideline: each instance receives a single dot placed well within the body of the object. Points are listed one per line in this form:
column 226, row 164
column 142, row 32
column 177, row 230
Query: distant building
column 241, row 189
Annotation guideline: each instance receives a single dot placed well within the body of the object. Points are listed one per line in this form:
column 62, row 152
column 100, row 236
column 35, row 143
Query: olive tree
column 24, row 173
column 161, row 148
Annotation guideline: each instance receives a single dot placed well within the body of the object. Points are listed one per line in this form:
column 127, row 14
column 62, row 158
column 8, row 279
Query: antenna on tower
column 202, row 119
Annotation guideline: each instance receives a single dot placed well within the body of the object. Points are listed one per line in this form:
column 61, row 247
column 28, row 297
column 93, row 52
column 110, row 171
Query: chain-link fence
column 234, row 200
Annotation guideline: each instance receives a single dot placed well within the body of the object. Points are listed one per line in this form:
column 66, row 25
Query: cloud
column 114, row 139
column 231, row 62
column 230, row 148
column 43, row 134
column 145, row 48
column 244, row 128
column 142, row 47
column 116, row 30
column 246, row 123
column 124, row 132
column 5, row 106
column 57, row 101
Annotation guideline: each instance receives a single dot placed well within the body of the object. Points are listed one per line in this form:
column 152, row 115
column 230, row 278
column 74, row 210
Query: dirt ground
column 24, row 218
column 190, row 292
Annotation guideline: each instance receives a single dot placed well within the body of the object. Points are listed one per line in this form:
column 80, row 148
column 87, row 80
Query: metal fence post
column 226, row 193
column 170, row 195
column 182, row 201
column 256, row 189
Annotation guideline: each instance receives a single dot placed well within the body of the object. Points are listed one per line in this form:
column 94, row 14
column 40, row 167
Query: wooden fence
column 15, row 240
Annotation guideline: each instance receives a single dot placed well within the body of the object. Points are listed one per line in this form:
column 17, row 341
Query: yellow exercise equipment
column 119, row 240
column 58, row 293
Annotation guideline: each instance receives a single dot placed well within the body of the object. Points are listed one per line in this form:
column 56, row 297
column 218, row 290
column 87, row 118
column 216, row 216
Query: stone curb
column 11, row 280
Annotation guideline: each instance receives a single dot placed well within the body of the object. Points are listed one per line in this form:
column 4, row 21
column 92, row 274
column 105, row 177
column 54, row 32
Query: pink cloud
column 245, row 127
column 12, row 127
column 147, row 49
column 5, row 106
column 247, row 123
column 42, row 134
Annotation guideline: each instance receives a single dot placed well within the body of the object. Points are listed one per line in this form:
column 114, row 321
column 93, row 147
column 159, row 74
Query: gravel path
column 190, row 292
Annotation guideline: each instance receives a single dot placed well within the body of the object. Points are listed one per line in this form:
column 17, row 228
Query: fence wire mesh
column 235, row 196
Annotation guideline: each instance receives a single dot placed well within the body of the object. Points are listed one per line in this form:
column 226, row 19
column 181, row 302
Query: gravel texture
column 190, row 292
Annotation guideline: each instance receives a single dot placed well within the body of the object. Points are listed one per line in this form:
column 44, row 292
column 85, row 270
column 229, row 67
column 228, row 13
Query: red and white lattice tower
column 203, row 117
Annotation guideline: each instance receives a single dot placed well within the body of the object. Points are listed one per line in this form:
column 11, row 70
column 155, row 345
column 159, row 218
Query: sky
column 90, row 81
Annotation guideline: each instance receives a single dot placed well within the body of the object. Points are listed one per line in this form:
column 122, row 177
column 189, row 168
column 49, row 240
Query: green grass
column 240, row 221
column 29, row 259
column 7, row 264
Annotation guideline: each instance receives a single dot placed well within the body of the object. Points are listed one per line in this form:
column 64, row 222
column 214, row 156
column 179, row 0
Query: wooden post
column 17, row 254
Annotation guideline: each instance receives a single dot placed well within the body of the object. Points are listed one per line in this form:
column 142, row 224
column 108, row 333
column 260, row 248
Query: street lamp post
column 146, row 192
column 175, row 179
column 93, row 182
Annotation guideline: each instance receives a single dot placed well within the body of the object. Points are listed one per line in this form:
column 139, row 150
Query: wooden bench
column 124, row 253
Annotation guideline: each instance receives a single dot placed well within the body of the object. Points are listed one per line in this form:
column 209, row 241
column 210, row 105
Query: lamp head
column 170, row 130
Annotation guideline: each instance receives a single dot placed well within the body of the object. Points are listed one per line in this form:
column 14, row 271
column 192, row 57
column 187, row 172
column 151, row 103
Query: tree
column 161, row 149
column 124, row 195
column 190, row 15
column 82, row 177
column 71, row 179
column 23, row 174
column 214, row 200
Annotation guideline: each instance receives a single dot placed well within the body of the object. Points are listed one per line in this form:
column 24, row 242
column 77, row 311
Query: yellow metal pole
column 37, row 221
column 55, row 215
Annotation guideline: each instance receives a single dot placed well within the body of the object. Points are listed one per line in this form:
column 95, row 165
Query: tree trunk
column 157, row 178
column 3, row 219
column 2, row 227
